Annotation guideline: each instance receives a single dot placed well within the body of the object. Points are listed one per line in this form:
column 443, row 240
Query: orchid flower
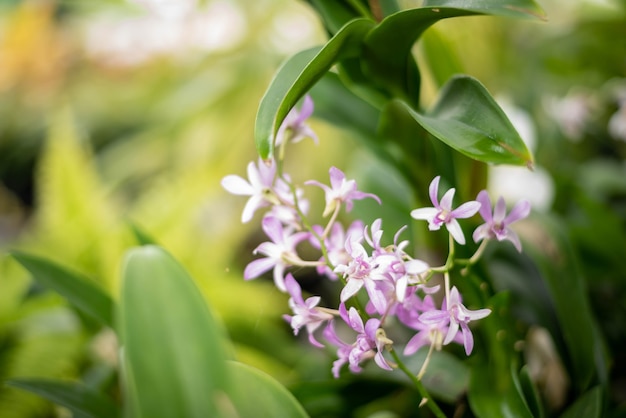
column 497, row 225
column 280, row 253
column 341, row 191
column 443, row 214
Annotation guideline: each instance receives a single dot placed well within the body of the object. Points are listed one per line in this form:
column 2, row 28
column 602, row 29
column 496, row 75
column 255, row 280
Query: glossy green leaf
column 511, row 8
column 335, row 14
column 78, row 398
column 297, row 75
column 558, row 266
column 388, row 59
column 589, row 405
column 256, row 394
column 173, row 347
column 80, row 291
column 469, row 120
column 492, row 390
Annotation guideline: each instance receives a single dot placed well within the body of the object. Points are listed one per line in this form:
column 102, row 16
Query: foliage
column 98, row 156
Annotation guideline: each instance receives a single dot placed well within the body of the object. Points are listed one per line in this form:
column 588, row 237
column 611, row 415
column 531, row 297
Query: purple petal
column 293, row 288
column 499, row 212
column 482, row 232
column 446, row 200
column 314, row 342
column 356, row 323
column 258, row 267
column 519, row 211
column 382, row 363
column 273, row 229
column 433, row 189
column 434, row 317
column 468, row 339
column 336, row 177
column 485, row 205
column 478, row 314
column 466, row 210
column 418, row 341
column 306, row 110
column 512, row 236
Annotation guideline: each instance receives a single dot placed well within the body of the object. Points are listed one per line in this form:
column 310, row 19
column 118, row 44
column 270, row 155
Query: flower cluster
column 397, row 284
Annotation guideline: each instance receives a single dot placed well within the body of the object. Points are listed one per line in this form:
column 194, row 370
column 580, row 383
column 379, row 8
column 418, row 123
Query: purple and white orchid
column 443, row 214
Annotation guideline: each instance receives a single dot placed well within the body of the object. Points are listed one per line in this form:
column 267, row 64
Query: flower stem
column 429, row 401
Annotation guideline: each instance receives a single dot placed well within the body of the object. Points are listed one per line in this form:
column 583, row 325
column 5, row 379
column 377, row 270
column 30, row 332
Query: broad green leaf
column 256, row 394
column 559, row 268
column 173, row 348
column 492, row 390
column 469, row 120
column 589, row 405
column 77, row 397
column 79, row 291
column 511, row 8
column 335, row 14
column 297, row 75
column 387, row 56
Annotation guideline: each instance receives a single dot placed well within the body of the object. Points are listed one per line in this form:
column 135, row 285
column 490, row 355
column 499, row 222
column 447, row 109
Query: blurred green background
column 115, row 113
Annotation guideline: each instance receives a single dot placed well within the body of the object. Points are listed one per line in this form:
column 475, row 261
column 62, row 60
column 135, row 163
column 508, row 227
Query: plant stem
column 430, row 402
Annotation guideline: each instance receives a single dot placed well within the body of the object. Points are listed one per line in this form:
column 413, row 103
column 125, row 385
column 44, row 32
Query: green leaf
column 256, row 394
column 589, row 405
column 80, row 291
column 140, row 235
column 469, row 120
column 297, row 75
column 334, row 13
column 511, row 8
column 492, row 390
column 77, row 397
column 559, row 268
column 173, row 347
column 529, row 389
column 387, row 57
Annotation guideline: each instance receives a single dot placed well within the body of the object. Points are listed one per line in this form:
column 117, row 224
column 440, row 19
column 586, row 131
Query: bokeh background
column 120, row 113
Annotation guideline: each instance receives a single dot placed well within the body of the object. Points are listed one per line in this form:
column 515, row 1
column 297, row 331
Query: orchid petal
column 455, row 230
column 433, row 189
column 237, row 185
column 258, row 267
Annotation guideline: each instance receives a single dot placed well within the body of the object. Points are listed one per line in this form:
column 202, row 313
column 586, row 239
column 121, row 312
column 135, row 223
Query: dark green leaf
column 589, row 405
column 78, row 398
column 387, row 55
column 531, row 393
column 388, row 59
column 256, row 394
column 469, row 120
column 558, row 266
column 297, row 75
column 334, row 13
column 492, row 389
column 80, row 291
column 172, row 346
column 512, row 8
